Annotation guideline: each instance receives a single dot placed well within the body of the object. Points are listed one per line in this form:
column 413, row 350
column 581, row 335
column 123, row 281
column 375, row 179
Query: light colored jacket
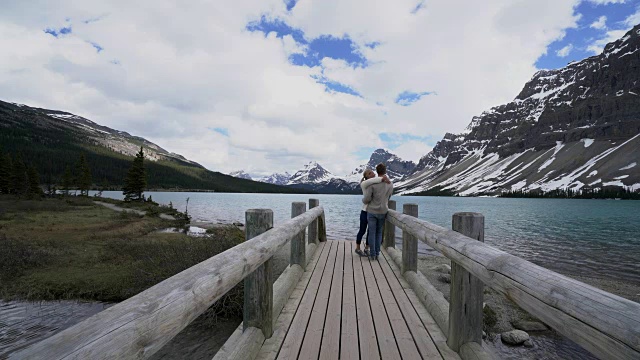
column 376, row 197
column 365, row 184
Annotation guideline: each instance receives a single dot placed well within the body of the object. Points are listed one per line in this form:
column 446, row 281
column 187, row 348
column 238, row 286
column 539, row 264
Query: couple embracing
column 376, row 192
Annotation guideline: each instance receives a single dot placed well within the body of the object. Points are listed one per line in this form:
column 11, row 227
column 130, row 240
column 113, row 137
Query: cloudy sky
column 268, row 85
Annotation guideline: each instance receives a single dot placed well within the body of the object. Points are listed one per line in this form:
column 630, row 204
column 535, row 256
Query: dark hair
column 381, row 169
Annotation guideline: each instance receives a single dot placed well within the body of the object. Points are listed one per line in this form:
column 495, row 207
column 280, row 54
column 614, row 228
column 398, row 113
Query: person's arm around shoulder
column 368, row 195
column 365, row 184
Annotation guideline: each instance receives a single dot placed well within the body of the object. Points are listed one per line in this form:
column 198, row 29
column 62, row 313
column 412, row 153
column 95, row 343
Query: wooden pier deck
column 348, row 307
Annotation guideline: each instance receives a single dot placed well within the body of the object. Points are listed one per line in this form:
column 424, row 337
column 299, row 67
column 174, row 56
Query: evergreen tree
column 136, row 180
column 84, row 176
column 34, row 182
column 67, row 181
column 19, row 179
column 5, row 173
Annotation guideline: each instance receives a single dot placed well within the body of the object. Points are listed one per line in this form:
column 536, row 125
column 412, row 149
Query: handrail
column 142, row 324
column 603, row 323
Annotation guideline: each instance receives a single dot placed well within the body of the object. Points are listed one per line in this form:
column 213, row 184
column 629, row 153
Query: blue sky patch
column 56, row 33
column 97, row 47
column 419, row 6
column 290, row 4
column 334, row 86
column 222, row 131
column 407, row 98
column 574, row 46
column 340, row 48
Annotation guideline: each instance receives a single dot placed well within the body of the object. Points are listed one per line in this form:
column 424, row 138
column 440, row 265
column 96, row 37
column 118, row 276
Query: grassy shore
column 71, row 248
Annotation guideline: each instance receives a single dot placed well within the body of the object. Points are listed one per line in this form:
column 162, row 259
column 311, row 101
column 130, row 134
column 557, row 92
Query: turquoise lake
column 597, row 238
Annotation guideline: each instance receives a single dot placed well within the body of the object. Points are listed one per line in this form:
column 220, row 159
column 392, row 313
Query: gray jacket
column 376, row 197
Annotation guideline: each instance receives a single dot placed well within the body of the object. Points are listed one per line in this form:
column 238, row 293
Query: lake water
column 597, row 238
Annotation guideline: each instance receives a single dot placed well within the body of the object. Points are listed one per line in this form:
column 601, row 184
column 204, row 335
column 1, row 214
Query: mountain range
column 52, row 140
column 575, row 128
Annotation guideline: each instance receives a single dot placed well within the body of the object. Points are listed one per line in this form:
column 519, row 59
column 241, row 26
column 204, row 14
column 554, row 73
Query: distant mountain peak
column 241, row 174
column 311, row 173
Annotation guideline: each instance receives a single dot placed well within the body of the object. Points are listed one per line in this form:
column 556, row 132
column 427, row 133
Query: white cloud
column 565, row 51
column 601, row 23
column 184, row 69
column 611, row 35
column 412, row 150
column 606, row 2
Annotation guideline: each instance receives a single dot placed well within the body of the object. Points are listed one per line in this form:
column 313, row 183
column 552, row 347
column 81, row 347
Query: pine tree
column 34, row 182
column 67, row 180
column 84, row 176
column 19, row 179
column 136, row 180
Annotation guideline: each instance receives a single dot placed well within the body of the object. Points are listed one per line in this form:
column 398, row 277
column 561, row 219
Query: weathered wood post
column 466, row 295
column 389, row 232
column 258, row 286
column 313, row 227
column 409, row 242
column 298, row 242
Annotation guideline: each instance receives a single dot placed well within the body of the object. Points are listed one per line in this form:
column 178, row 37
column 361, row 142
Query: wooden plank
column 295, row 336
column 330, row 345
column 419, row 334
column 271, row 347
column 144, row 323
column 436, row 334
column 409, row 242
column 299, row 241
column 313, row 227
column 389, row 230
column 366, row 330
column 605, row 324
column 386, row 338
column 313, row 337
column 349, row 349
column 403, row 336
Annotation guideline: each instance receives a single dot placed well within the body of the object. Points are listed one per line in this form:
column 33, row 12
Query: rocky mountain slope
column 572, row 128
column 396, row 167
column 53, row 140
column 240, row 174
column 276, row 178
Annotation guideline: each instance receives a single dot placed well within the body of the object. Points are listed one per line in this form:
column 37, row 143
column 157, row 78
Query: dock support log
column 466, row 295
column 313, row 227
column 409, row 242
column 389, row 231
column 298, row 250
column 258, row 286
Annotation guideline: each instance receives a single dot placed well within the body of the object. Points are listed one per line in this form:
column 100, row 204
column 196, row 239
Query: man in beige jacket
column 376, row 197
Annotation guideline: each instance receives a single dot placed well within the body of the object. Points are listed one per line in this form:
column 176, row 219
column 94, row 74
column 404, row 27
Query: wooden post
column 298, row 250
column 389, row 231
column 313, row 227
column 409, row 242
column 258, row 286
column 466, row 295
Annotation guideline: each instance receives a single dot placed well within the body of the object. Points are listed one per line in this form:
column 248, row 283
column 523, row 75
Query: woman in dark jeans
column 368, row 178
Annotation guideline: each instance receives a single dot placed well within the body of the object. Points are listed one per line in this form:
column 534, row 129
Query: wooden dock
column 349, row 307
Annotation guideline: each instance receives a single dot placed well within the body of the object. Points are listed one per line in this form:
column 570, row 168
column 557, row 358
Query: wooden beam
column 603, row 323
column 313, row 227
column 143, row 324
column 389, row 231
column 258, row 286
column 465, row 295
column 298, row 242
column 409, row 242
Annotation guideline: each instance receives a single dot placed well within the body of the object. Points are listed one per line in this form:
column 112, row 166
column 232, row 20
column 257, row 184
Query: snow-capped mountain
column 241, row 174
column 312, row 173
column 396, row 167
column 577, row 127
column 276, row 178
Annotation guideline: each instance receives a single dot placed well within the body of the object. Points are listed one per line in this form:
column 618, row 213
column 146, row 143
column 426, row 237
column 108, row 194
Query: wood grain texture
column 389, row 231
column 409, row 242
column 330, row 345
column 366, row 329
column 142, row 324
column 605, row 324
column 298, row 242
column 313, row 227
column 466, row 291
column 271, row 347
column 349, row 349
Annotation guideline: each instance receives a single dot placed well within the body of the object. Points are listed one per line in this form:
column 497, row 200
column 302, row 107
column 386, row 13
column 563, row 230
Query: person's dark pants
column 376, row 223
column 363, row 227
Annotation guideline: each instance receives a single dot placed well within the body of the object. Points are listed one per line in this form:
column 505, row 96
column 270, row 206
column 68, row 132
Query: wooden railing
column 605, row 324
column 143, row 324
